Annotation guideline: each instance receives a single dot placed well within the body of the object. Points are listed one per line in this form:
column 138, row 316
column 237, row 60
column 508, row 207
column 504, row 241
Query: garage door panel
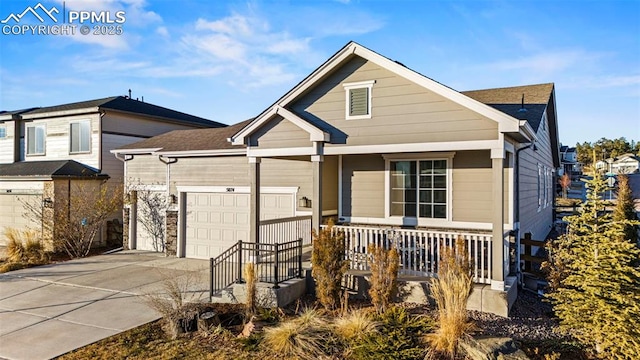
column 12, row 212
column 227, row 219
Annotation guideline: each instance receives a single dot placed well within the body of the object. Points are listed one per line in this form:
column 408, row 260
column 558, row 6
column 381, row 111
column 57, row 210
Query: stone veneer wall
column 171, row 240
column 125, row 228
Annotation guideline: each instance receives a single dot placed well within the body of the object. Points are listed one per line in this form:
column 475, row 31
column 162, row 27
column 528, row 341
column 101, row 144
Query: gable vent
column 358, row 101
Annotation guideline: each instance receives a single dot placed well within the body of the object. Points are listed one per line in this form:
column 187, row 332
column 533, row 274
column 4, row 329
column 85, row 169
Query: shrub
column 450, row 290
column 305, row 337
column 595, row 279
column 399, row 336
column 354, row 326
column 384, row 276
column 329, row 266
column 251, row 278
column 24, row 247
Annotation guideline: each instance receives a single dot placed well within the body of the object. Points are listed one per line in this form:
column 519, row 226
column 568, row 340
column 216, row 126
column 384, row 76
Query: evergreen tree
column 625, row 209
column 595, row 279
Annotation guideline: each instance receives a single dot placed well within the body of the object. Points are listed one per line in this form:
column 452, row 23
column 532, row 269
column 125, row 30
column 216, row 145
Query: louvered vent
column 358, row 101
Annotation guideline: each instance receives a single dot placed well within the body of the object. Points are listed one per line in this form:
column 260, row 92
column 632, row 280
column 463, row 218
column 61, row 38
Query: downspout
column 516, row 200
column 168, row 161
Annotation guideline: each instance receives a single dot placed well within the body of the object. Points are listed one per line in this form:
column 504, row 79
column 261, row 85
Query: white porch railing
column 419, row 249
column 286, row 229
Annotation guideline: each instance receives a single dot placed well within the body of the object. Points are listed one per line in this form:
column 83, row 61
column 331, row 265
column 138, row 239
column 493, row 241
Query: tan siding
column 402, row 112
column 531, row 220
column 135, row 125
column 57, row 140
column 330, row 183
column 472, row 186
column 363, row 186
column 280, row 133
column 215, row 171
column 147, row 170
column 7, row 144
column 295, row 173
column 110, row 164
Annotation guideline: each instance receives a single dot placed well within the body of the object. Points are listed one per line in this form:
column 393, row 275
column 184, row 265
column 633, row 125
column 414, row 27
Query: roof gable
column 506, row 123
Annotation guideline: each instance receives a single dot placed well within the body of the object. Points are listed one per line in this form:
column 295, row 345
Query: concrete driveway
column 49, row 310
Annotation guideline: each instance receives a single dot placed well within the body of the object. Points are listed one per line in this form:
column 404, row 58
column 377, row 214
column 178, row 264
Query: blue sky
column 228, row 61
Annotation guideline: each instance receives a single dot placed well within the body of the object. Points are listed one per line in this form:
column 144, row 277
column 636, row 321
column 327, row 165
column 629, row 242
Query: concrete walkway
column 50, row 310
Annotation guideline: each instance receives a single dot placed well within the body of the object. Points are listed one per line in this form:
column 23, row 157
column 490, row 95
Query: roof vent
column 522, row 108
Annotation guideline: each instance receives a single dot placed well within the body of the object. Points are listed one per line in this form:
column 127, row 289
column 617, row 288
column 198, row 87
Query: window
column 540, row 184
column 36, row 139
column 418, row 188
column 3, row 132
column 80, row 137
column 358, row 99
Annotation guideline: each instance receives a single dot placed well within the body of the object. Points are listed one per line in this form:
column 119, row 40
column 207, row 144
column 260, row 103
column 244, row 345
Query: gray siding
column 280, row 133
column 402, row 112
column 57, row 140
column 130, row 124
column 531, row 220
column 7, row 144
column 110, row 164
column 147, row 170
column 363, row 186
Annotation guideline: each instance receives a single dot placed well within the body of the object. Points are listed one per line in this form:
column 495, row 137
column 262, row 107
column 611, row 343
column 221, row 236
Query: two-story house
column 44, row 150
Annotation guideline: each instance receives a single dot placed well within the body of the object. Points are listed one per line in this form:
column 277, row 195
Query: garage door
column 216, row 221
column 12, row 210
column 150, row 221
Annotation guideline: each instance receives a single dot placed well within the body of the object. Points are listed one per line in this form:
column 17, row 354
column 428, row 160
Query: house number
column 231, row 189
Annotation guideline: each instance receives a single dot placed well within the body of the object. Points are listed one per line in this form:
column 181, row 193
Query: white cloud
column 162, row 31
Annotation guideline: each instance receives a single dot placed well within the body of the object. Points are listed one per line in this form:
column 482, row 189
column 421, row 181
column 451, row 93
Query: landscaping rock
column 492, row 348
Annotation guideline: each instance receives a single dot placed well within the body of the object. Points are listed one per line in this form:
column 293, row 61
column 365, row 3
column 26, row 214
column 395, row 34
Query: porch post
column 254, row 200
column 316, row 201
column 497, row 248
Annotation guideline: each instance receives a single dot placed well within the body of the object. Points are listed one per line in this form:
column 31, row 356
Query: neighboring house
column 569, row 161
column 623, row 164
column 381, row 148
column 40, row 148
column 626, row 164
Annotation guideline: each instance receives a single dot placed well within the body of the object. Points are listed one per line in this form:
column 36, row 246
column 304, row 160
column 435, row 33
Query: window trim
column 358, row 85
column 417, row 220
column 44, row 139
column 82, row 121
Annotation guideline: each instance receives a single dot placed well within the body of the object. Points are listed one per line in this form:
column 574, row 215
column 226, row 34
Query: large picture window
column 36, row 135
column 419, row 188
column 80, row 137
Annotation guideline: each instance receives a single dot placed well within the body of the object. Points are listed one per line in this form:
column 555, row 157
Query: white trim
column 148, row 187
column 197, row 153
column 26, row 139
column 61, row 113
column 315, row 133
column 79, row 121
column 448, row 157
column 358, row 85
column 324, row 212
column 399, row 221
column 134, row 151
column 412, row 147
column 295, row 151
column 236, row 189
column 339, row 185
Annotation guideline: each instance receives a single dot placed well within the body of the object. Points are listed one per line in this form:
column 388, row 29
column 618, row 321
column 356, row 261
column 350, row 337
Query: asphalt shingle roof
column 55, row 168
column 189, row 140
column 509, row 101
column 121, row 103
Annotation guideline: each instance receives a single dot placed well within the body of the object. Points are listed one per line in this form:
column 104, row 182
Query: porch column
column 254, row 200
column 497, row 211
column 316, row 201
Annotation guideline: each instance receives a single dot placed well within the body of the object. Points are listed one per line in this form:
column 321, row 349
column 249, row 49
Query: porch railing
column 274, row 263
column 286, row 229
column 419, row 249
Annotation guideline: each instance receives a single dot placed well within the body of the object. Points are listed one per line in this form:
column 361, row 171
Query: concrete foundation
column 288, row 292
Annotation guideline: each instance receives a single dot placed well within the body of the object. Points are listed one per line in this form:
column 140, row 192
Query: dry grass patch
column 24, row 249
column 304, row 337
column 355, row 325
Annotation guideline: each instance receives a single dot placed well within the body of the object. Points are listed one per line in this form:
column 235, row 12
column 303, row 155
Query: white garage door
column 12, row 210
column 216, row 221
column 147, row 223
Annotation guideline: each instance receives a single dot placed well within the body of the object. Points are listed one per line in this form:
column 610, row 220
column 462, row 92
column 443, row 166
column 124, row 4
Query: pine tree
column 329, row 265
column 625, row 209
column 595, row 279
